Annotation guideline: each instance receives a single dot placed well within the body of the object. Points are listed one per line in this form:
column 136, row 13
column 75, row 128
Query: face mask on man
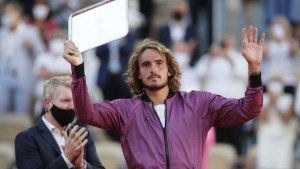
column 40, row 12
column 177, row 16
column 6, row 21
column 62, row 116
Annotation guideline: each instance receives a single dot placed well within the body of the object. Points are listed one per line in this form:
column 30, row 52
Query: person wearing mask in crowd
column 48, row 144
column 42, row 18
column 20, row 43
column 279, row 55
column 178, row 34
column 162, row 127
column 277, row 128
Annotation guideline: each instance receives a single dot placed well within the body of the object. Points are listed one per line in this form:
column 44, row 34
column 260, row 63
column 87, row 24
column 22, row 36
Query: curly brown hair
column 135, row 84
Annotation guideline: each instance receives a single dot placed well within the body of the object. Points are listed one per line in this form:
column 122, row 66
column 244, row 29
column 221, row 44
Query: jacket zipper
column 165, row 136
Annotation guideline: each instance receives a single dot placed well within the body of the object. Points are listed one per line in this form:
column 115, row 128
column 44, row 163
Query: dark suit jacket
column 36, row 148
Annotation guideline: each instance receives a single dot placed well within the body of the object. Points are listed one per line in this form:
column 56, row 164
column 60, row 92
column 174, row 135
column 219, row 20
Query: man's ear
column 169, row 74
column 47, row 104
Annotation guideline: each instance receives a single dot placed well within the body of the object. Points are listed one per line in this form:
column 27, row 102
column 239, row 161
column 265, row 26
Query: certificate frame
column 98, row 24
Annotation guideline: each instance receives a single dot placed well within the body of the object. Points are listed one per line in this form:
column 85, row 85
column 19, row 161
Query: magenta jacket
column 189, row 116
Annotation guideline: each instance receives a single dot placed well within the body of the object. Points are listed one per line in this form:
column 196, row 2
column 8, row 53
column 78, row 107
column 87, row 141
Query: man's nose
column 153, row 68
column 70, row 106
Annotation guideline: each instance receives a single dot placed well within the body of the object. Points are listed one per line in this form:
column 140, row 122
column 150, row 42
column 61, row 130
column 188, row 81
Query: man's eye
column 146, row 65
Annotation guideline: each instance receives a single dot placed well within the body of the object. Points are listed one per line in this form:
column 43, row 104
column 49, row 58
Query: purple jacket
column 189, row 116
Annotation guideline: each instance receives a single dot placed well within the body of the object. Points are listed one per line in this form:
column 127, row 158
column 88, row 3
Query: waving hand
column 251, row 49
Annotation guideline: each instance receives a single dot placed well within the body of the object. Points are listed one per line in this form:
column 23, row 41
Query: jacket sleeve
column 103, row 115
column 91, row 155
column 28, row 156
column 224, row 112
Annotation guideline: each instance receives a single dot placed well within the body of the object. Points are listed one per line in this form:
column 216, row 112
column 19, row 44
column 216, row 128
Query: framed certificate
column 98, row 24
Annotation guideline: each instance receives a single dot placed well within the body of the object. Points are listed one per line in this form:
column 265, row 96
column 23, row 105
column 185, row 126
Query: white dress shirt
column 160, row 110
column 59, row 138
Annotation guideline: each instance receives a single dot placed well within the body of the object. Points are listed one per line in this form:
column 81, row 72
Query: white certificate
column 98, row 24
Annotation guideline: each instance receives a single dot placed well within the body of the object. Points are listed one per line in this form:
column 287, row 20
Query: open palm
column 251, row 50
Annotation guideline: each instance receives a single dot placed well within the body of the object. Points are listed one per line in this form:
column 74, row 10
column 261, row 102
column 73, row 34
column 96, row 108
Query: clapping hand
column 74, row 143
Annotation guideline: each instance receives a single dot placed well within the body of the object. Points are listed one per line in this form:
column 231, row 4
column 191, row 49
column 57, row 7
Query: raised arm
column 251, row 49
column 103, row 114
column 226, row 112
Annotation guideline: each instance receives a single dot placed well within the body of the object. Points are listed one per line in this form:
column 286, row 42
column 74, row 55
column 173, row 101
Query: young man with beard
column 162, row 127
column 47, row 144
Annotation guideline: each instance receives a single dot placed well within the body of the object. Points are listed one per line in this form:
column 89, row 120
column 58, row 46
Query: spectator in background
column 114, row 62
column 20, row 43
column 280, row 49
column 178, row 34
column 42, row 18
column 226, row 58
column 203, row 65
column 277, row 129
column 239, row 69
column 49, row 64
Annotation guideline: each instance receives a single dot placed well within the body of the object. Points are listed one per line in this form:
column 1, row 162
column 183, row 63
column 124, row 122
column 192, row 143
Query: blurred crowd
column 205, row 39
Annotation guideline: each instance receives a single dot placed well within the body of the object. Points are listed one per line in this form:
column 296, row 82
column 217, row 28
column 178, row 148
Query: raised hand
column 71, row 53
column 251, row 50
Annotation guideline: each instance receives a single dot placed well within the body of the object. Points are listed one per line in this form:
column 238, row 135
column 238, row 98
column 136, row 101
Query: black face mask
column 63, row 117
column 177, row 16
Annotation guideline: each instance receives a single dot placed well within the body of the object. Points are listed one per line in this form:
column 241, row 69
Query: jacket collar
column 144, row 97
column 46, row 134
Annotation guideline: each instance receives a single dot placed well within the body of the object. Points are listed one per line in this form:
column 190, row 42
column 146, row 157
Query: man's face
column 63, row 98
column 153, row 70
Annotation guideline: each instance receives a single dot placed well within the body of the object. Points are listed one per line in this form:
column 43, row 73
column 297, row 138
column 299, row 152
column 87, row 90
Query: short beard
column 155, row 87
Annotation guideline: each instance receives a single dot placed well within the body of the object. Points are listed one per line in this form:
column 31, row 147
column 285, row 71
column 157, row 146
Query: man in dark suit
column 47, row 144
column 178, row 34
